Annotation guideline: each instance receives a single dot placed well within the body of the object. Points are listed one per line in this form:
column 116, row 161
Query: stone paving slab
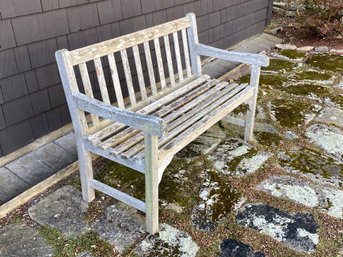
column 20, row 240
column 331, row 115
column 10, row 185
column 236, row 157
column 63, row 209
column 328, row 138
column 121, row 226
column 298, row 231
column 169, row 242
column 234, row 248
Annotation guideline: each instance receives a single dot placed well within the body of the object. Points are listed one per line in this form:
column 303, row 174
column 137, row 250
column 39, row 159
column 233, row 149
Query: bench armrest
column 147, row 123
column 254, row 59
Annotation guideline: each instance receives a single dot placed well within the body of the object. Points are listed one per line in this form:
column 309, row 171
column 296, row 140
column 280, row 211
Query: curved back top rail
column 107, row 47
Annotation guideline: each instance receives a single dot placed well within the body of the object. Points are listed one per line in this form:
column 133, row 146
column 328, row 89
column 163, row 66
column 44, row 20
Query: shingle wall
column 32, row 101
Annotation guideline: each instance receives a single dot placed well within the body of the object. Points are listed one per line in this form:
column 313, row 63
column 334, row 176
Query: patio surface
column 280, row 195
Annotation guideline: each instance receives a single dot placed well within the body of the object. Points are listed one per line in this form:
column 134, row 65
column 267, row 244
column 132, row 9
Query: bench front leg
column 151, row 182
column 250, row 119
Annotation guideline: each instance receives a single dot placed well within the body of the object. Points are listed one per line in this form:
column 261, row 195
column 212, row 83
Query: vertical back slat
column 139, row 71
column 88, row 88
column 115, row 80
column 128, row 76
column 160, row 62
column 178, row 57
column 101, row 80
column 150, row 68
column 186, row 51
column 169, row 60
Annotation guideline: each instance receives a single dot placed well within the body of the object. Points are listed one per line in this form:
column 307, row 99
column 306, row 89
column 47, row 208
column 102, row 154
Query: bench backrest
column 152, row 76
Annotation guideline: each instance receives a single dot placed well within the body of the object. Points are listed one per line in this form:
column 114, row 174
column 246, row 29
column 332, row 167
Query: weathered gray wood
column 254, row 59
column 88, row 88
column 169, row 60
column 150, row 68
column 193, row 40
column 160, row 63
column 101, row 79
column 79, row 121
column 151, row 182
column 128, row 76
column 139, row 72
column 186, row 52
column 151, row 124
column 125, row 198
column 91, row 52
column 250, row 119
column 115, row 80
column 178, row 56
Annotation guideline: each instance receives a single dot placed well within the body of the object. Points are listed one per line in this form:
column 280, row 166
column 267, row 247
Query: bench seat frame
column 155, row 159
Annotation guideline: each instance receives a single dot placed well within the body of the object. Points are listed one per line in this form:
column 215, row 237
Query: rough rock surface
column 329, row 138
column 331, row 115
column 63, row 209
column 169, row 242
column 298, row 231
column 20, row 240
column 234, row 248
column 121, row 226
column 286, row 46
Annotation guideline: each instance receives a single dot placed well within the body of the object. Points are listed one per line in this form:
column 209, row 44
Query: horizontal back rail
column 107, row 47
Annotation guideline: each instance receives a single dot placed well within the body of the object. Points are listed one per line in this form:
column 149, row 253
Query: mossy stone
column 292, row 54
column 279, row 65
column 327, row 62
column 268, row 139
column 312, row 75
column 270, row 80
column 307, row 89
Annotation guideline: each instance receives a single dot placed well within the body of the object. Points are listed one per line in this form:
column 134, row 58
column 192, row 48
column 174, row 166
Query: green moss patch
column 290, row 113
column 307, row 89
column 279, row 65
column 268, row 139
column 292, row 54
column 327, row 62
column 71, row 247
column 312, row 75
column 307, row 160
column 269, row 80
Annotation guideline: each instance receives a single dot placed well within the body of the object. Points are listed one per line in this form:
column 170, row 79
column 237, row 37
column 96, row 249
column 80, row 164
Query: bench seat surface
column 188, row 112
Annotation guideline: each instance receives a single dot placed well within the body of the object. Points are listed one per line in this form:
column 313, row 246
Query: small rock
column 321, row 49
column 305, row 49
column 20, row 240
column 234, row 248
column 169, row 242
column 298, row 231
column 286, row 46
column 63, row 209
column 85, row 254
column 337, row 51
column 121, row 226
column 290, row 135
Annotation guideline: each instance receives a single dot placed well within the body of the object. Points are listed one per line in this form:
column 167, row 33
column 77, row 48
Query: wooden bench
column 160, row 115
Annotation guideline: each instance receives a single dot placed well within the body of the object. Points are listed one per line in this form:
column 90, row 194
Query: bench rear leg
column 250, row 119
column 151, row 183
column 86, row 173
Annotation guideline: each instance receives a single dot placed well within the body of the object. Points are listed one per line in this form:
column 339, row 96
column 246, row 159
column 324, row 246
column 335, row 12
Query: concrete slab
column 68, row 143
column 20, row 240
column 63, row 209
column 10, row 185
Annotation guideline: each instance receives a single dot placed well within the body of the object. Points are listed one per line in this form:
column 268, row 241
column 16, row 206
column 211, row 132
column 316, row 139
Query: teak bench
column 161, row 115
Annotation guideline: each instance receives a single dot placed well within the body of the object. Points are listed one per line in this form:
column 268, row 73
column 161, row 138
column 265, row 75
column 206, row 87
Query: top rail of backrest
column 107, row 47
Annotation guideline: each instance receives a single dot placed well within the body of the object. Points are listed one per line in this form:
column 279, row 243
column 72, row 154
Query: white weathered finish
column 163, row 119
